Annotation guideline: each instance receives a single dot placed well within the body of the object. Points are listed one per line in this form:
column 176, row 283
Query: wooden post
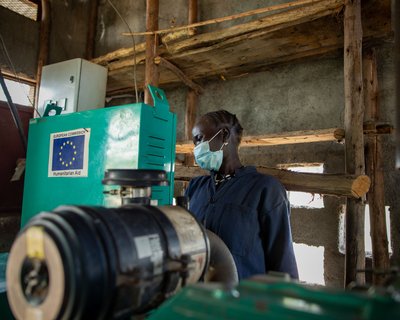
column 43, row 46
column 192, row 99
column 91, row 32
column 192, row 15
column 374, row 169
column 353, row 121
column 151, row 69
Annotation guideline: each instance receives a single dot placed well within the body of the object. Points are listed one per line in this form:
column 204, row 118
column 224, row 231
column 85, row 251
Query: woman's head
column 210, row 123
column 221, row 133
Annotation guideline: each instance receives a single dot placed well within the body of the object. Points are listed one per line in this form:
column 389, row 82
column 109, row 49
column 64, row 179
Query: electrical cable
column 134, row 49
column 15, row 73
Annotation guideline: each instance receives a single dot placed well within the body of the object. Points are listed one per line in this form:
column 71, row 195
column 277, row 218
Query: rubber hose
column 222, row 266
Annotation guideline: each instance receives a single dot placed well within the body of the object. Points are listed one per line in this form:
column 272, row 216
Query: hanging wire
column 15, row 73
column 134, row 49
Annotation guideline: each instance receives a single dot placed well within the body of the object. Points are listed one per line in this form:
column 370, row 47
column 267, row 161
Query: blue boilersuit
column 250, row 213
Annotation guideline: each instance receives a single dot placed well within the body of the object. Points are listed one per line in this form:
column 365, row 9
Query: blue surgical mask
column 207, row 159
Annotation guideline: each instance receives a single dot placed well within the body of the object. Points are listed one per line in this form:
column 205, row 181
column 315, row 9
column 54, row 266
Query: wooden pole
column 374, row 169
column 151, row 69
column 332, row 184
column 193, row 13
column 192, row 98
column 91, row 32
column 354, row 146
column 43, row 46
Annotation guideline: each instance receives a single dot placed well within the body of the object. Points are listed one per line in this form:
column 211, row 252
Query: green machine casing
column 68, row 154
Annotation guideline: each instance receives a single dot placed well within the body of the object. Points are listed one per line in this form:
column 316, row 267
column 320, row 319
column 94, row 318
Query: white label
column 69, row 153
column 150, row 246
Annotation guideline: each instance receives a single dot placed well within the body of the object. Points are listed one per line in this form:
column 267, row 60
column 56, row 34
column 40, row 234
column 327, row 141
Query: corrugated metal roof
column 22, row 7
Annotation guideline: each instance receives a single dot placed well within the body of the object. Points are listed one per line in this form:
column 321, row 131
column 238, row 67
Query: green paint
column 134, row 136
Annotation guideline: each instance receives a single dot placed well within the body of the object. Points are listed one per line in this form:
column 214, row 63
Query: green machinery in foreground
column 278, row 300
column 68, row 154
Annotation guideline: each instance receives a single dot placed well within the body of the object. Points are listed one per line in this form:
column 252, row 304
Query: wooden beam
column 279, row 7
column 19, row 76
column 374, row 169
column 151, row 69
column 185, row 79
column 354, row 147
column 293, row 137
column 193, row 14
column 91, row 32
column 120, row 54
column 268, row 24
column 192, row 102
column 329, row 184
column 192, row 98
column 43, row 45
column 304, row 136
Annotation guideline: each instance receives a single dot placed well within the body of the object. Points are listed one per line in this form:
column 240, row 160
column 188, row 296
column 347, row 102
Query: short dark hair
column 225, row 119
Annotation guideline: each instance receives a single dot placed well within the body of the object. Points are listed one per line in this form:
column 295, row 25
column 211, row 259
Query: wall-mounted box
column 74, row 85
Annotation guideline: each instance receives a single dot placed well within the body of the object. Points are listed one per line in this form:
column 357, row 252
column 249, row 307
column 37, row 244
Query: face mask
column 207, row 159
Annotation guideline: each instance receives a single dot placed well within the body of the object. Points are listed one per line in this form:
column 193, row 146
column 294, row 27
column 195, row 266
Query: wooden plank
column 151, row 70
column 268, row 24
column 279, row 7
column 354, row 147
column 120, row 54
column 374, row 169
column 250, row 52
column 293, row 137
column 304, row 136
column 330, row 184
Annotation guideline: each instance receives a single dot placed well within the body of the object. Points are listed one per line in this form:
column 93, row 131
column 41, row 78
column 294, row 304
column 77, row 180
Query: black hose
column 14, row 112
column 222, row 266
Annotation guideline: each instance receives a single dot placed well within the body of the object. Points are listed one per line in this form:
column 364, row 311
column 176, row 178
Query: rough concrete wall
column 69, row 25
column 21, row 38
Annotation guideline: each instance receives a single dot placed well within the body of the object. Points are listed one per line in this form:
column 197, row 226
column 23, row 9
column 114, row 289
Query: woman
column 249, row 211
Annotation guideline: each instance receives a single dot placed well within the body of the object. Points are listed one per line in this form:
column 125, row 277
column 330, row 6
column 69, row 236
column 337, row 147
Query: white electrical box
column 74, row 85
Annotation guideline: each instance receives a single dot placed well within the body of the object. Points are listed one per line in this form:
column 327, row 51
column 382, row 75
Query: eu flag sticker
column 68, row 155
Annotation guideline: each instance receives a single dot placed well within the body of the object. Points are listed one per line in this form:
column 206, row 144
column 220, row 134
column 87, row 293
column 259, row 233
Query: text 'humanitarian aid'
column 69, row 152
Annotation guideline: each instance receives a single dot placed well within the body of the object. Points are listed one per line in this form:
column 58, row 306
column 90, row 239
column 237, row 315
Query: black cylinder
column 98, row 263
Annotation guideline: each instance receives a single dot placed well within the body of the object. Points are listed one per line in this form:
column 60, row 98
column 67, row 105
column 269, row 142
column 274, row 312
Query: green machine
column 68, row 154
column 261, row 298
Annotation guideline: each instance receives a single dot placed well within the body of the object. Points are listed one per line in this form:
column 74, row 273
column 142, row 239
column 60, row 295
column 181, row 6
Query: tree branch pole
column 151, row 69
column 331, row 184
column 192, row 98
column 354, row 146
column 45, row 23
column 374, row 169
